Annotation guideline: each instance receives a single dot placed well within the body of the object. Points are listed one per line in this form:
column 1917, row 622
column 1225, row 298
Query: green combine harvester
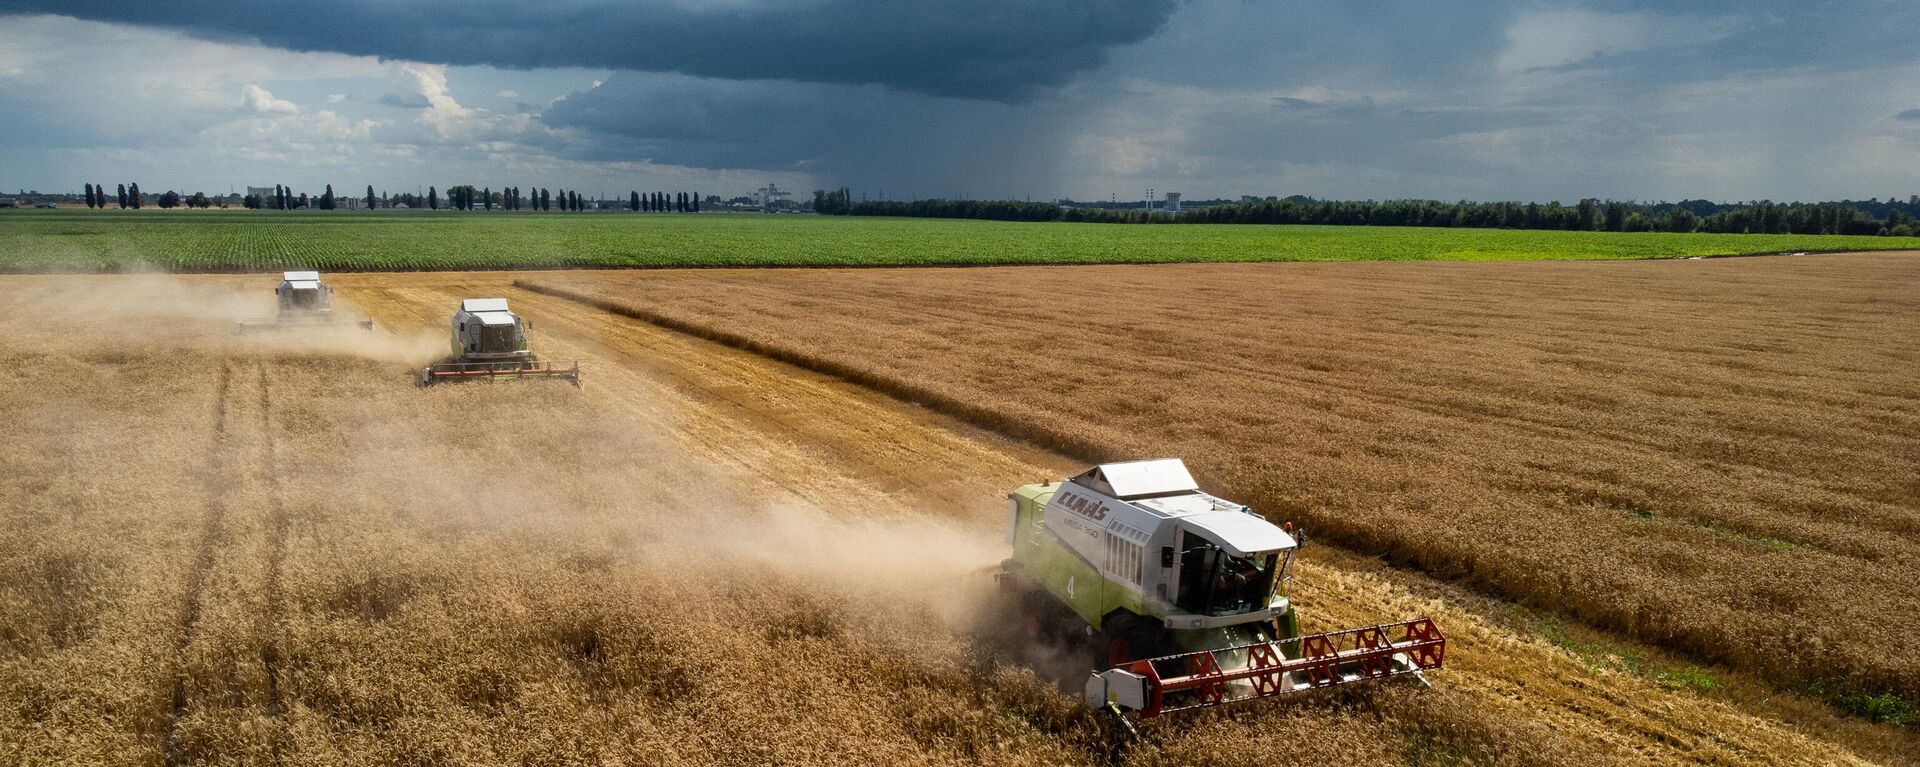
column 305, row 302
column 1183, row 593
column 490, row 344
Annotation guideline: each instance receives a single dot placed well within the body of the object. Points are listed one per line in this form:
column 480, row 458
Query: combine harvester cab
column 1184, row 592
column 304, row 301
column 490, row 343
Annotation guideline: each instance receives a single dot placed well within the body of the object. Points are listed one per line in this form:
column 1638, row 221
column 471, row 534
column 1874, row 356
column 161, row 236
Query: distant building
column 262, row 192
column 9, row 202
column 1173, row 202
column 771, row 197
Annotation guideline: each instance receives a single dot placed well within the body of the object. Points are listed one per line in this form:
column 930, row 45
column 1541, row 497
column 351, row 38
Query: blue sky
column 979, row 98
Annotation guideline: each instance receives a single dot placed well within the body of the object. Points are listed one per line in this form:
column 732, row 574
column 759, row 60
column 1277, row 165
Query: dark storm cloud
column 989, row 49
column 855, row 134
column 1910, row 114
column 1770, row 35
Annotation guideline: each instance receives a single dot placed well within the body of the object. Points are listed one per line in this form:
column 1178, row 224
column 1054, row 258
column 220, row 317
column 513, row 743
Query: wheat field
column 276, row 550
column 1716, row 456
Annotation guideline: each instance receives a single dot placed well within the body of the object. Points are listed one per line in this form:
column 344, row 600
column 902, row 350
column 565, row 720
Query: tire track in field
column 211, row 531
column 276, row 553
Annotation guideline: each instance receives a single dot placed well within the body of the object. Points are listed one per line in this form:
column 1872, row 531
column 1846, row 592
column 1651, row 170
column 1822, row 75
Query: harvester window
column 1213, row 582
column 496, row 338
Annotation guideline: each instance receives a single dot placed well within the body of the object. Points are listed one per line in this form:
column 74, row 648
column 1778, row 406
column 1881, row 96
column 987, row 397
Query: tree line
column 1762, row 217
column 468, row 197
column 459, row 197
column 663, row 202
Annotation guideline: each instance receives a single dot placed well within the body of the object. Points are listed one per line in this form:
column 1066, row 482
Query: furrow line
column 274, row 593
column 212, row 524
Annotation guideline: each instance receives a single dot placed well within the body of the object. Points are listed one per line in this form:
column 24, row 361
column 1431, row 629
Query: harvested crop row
column 1665, row 449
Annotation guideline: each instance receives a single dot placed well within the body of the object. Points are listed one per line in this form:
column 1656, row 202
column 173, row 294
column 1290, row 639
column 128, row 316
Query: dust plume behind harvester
column 490, row 343
column 304, row 301
column 1183, row 594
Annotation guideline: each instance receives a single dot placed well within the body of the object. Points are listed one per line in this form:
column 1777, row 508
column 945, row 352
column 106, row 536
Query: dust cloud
column 162, row 311
column 500, row 557
column 945, row 567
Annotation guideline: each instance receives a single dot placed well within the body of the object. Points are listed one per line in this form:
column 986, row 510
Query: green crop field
column 74, row 240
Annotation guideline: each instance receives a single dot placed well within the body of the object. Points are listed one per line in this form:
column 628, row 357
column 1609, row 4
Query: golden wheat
column 1717, row 456
column 231, row 551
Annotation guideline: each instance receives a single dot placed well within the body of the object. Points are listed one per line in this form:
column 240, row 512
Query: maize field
column 239, row 241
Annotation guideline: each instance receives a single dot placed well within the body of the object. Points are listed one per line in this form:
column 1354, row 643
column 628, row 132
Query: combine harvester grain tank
column 1184, row 593
column 489, row 344
column 305, row 301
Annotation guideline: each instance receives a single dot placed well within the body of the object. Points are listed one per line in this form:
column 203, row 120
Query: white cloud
column 507, row 94
column 174, row 84
column 176, row 112
column 1547, row 39
column 258, row 100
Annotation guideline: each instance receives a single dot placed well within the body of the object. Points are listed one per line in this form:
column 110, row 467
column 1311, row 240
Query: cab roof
column 483, row 305
column 1241, row 534
column 1131, row 480
column 1152, row 494
column 300, row 276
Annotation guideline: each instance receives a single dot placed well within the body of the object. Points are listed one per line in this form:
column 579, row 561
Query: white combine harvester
column 305, row 301
column 1183, row 593
column 490, row 343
